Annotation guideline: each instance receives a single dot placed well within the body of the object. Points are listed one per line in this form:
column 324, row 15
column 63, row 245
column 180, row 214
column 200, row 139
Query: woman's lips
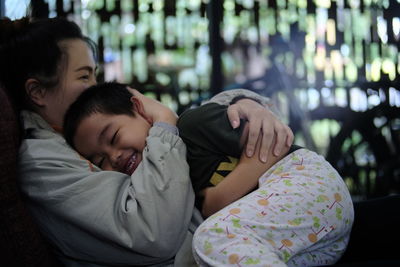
column 131, row 164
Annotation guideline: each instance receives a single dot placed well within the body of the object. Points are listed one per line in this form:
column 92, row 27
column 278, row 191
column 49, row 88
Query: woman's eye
column 84, row 77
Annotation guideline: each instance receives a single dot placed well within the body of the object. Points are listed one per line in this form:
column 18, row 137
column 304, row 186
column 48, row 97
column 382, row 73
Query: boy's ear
column 137, row 107
column 35, row 91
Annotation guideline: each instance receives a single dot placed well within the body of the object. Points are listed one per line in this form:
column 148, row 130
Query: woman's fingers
column 261, row 122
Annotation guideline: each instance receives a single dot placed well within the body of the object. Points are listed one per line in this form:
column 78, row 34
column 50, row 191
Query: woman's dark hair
column 30, row 49
column 106, row 98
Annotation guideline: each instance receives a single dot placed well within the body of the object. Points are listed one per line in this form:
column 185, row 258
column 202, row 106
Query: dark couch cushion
column 20, row 241
column 375, row 235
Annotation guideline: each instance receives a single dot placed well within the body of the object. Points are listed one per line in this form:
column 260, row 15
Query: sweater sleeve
column 225, row 98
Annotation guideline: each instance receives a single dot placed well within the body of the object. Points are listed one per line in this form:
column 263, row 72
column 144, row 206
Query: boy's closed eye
column 114, row 137
column 100, row 161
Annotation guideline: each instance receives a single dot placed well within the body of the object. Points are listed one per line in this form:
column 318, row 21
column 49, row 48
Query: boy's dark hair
column 106, row 98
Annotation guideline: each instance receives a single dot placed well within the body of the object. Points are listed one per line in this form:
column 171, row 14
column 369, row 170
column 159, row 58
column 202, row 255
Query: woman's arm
column 132, row 218
column 261, row 122
column 261, row 118
column 242, row 180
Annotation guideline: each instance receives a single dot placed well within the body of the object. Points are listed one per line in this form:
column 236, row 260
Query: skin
column 273, row 132
column 116, row 142
column 78, row 75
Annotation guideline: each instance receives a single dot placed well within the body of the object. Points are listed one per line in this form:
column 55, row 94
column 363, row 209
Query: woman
column 147, row 219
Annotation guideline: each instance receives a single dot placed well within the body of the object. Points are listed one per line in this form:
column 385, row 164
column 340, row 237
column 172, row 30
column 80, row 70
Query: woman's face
column 78, row 74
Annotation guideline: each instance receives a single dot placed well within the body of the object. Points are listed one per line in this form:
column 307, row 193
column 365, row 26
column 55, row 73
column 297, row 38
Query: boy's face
column 113, row 142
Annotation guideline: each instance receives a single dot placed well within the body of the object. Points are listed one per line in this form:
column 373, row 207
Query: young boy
column 108, row 116
column 301, row 211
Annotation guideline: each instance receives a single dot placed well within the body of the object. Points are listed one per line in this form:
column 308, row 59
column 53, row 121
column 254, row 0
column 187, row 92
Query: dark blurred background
column 331, row 67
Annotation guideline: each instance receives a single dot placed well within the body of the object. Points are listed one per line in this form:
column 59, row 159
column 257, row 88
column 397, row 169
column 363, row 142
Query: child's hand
column 156, row 111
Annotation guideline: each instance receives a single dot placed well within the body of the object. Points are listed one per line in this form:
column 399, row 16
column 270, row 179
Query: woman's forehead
column 78, row 52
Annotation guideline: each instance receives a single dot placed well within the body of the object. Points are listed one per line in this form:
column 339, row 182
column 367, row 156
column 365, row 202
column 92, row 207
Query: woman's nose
column 93, row 80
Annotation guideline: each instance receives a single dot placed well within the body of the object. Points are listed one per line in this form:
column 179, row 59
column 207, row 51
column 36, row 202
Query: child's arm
column 154, row 109
column 242, row 180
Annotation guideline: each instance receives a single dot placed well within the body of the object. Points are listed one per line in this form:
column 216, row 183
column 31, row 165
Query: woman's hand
column 261, row 122
column 155, row 110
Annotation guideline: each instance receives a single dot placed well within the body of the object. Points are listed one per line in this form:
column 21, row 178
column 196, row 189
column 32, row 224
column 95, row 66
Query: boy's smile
column 113, row 142
column 131, row 163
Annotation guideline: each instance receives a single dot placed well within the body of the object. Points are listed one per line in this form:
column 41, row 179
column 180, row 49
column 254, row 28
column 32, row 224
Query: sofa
column 21, row 243
column 375, row 237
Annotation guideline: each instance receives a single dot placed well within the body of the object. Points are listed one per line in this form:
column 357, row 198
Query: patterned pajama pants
column 301, row 215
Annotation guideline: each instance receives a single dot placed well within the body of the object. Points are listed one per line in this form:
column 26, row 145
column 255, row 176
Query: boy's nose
column 115, row 158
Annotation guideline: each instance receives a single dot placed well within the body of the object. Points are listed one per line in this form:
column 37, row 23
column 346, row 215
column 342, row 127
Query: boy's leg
column 301, row 215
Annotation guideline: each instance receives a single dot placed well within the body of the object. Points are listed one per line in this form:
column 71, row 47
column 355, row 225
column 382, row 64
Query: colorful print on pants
column 301, row 215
